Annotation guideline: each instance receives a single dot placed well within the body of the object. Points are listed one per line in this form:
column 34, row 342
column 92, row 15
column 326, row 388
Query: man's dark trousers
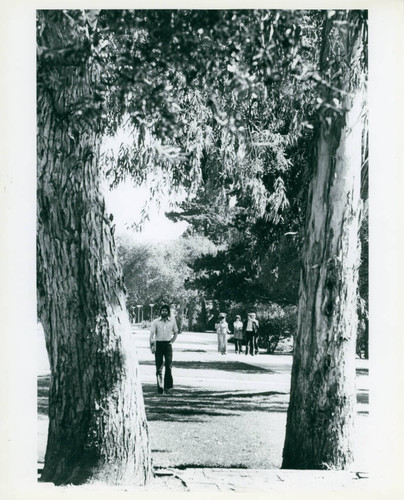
column 164, row 352
column 255, row 342
column 249, row 342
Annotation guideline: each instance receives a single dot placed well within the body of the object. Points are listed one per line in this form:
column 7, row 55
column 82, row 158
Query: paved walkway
column 249, row 481
column 257, row 480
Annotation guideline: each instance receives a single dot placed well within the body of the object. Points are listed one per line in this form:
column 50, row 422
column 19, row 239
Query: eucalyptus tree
column 255, row 171
column 97, row 422
column 88, row 76
column 322, row 400
column 321, row 411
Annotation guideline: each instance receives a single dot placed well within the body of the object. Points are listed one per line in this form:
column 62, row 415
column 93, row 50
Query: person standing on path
column 255, row 332
column 222, row 329
column 163, row 334
column 238, row 334
column 251, row 334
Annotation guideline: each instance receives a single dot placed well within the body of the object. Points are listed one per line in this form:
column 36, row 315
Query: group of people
column 164, row 332
column 243, row 332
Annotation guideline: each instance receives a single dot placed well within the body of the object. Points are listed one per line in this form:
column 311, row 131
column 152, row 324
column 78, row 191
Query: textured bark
column 321, row 411
column 97, row 424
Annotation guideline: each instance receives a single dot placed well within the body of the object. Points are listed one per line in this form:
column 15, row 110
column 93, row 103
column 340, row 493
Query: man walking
column 163, row 334
column 255, row 332
column 251, row 334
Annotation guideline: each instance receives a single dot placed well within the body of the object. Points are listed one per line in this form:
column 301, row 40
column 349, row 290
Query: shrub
column 281, row 324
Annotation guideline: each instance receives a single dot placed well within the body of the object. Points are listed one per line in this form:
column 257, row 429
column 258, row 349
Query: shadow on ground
column 228, row 366
column 362, row 371
column 187, row 403
column 190, row 404
column 43, row 383
column 362, row 396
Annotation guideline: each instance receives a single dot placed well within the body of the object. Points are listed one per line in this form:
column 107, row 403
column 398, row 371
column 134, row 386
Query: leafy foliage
column 156, row 274
column 220, row 102
column 279, row 323
column 185, row 80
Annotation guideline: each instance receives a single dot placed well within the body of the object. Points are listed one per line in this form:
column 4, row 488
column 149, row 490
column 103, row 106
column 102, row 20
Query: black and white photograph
column 202, row 250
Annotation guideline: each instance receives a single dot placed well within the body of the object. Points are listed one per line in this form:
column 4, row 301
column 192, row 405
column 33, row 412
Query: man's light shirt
column 163, row 329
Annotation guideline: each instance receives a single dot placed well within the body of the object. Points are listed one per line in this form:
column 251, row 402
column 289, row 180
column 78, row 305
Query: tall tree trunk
column 97, row 423
column 191, row 310
column 204, row 315
column 321, row 411
column 179, row 313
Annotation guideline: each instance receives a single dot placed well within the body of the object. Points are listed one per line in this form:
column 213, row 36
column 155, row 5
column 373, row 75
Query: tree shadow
column 362, row 371
column 194, row 350
column 194, row 405
column 228, row 366
column 43, row 383
column 362, row 396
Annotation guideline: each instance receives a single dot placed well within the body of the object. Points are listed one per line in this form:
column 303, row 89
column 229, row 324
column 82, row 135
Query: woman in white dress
column 222, row 330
